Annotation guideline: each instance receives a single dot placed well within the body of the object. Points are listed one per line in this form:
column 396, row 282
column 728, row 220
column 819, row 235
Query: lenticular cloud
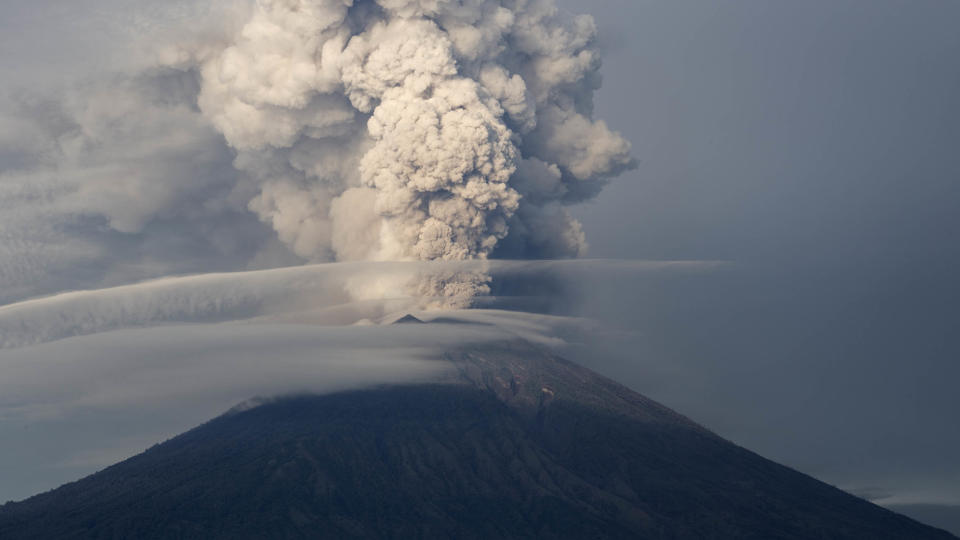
column 414, row 129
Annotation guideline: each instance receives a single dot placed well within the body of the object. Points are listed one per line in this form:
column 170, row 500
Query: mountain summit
column 515, row 443
column 408, row 319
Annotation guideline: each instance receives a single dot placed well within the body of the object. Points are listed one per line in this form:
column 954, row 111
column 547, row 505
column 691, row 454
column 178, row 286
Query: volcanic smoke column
column 415, row 130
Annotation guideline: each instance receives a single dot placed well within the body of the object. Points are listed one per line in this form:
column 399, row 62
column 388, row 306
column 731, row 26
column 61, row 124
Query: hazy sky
column 813, row 145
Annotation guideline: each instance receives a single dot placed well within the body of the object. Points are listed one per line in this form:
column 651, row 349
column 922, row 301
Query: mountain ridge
column 516, row 443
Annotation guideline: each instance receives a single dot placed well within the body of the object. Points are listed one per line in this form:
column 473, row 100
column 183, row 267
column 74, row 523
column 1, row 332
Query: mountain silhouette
column 408, row 319
column 516, row 443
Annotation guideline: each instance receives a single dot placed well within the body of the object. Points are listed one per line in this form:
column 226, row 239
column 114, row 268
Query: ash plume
column 244, row 136
column 415, row 130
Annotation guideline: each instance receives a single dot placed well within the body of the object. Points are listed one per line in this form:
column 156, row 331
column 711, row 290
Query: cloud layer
column 71, row 407
column 90, row 378
column 323, row 294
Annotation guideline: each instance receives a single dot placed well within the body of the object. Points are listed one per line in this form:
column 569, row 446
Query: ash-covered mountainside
column 518, row 444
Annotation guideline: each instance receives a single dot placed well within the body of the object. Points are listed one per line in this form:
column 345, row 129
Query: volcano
column 513, row 443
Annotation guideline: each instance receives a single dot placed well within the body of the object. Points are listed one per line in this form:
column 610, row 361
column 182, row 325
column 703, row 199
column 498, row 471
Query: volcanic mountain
column 514, row 443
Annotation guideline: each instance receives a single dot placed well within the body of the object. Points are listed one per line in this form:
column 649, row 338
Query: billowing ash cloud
column 411, row 130
column 415, row 130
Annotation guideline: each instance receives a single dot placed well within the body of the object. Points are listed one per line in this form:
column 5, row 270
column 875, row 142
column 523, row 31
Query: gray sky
column 811, row 144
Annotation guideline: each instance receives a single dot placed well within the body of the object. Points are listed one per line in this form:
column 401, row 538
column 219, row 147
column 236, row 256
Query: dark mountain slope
column 517, row 445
